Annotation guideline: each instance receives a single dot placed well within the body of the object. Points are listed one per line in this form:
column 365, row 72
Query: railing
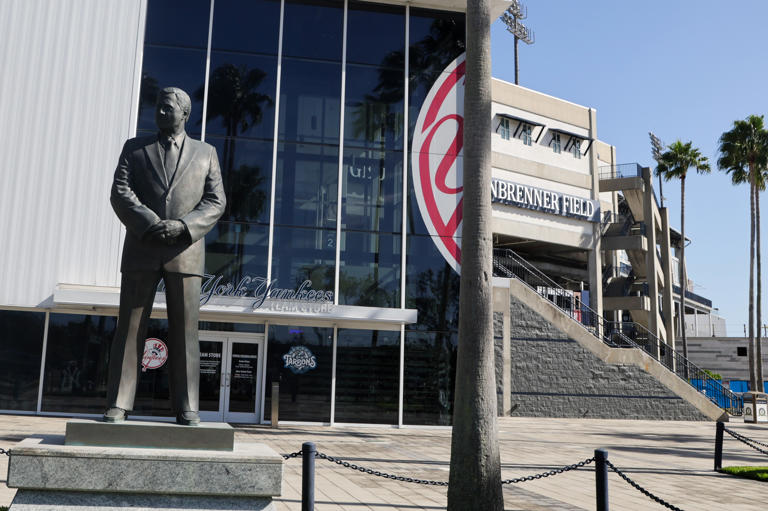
column 507, row 263
column 619, row 171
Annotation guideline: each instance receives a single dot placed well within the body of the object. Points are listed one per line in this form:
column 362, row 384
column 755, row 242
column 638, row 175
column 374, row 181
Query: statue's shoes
column 188, row 418
column 115, row 414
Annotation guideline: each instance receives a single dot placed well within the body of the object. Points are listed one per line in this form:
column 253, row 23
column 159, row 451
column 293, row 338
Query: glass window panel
column 21, row 348
column 432, row 286
column 436, row 39
column 236, row 250
column 171, row 67
column 243, row 383
column 303, row 396
column 172, row 24
column 373, row 114
column 370, row 269
column 310, row 96
column 313, row 29
column 241, row 96
column 76, row 367
column 376, row 34
column 307, row 185
column 246, row 26
column 246, row 169
column 232, row 327
column 211, row 356
column 76, row 363
column 367, row 374
column 304, row 254
column 430, row 376
column 372, row 188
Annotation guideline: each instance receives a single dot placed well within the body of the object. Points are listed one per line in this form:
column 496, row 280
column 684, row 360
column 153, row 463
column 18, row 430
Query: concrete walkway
column 671, row 459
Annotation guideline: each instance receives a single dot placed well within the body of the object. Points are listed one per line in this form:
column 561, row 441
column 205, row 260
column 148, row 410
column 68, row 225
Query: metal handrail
column 619, row 171
column 626, row 334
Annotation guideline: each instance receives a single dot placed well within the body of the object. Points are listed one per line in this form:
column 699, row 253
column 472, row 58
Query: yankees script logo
column 437, row 161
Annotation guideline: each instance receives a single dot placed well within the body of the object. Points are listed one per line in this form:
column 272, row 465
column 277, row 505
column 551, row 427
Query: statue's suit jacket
column 142, row 196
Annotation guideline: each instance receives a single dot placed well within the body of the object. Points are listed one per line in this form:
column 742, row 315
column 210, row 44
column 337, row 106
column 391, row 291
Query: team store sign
column 437, row 169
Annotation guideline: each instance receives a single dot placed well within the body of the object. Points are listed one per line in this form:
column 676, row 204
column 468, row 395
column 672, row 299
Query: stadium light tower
column 511, row 18
column 657, row 148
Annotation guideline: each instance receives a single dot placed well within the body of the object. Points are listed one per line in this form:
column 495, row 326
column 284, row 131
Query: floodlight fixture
column 511, row 18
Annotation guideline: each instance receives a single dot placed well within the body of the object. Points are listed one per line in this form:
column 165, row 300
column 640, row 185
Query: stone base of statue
column 129, row 467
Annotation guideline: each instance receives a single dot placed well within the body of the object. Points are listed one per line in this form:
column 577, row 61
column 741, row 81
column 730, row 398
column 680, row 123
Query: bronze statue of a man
column 168, row 193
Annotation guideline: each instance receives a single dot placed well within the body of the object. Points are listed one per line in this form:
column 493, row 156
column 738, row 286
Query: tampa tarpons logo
column 299, row 359
column 437, row 160
column 155, row 354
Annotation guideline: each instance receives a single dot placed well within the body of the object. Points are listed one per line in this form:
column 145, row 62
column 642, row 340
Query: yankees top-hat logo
column 437, row 160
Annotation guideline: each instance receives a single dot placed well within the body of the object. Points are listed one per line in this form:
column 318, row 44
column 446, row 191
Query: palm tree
column 744, row 155
column 674, row 163
column 475, row 476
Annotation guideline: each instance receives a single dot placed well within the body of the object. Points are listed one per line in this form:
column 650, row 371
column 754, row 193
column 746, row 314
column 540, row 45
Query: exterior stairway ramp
column 619, row 342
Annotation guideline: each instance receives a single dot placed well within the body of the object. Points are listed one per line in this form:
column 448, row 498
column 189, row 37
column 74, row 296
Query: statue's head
column 172, row 109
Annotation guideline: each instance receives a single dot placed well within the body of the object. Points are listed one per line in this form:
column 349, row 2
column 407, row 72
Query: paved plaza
column 671, row 459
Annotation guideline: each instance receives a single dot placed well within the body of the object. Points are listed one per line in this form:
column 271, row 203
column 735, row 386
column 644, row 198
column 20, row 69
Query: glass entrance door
column 230, row 377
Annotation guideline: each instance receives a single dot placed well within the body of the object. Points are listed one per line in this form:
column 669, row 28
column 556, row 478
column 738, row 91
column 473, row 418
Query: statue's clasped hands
column 166, row 231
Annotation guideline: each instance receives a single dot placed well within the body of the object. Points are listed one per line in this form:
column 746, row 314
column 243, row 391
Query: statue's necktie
column 171, row 158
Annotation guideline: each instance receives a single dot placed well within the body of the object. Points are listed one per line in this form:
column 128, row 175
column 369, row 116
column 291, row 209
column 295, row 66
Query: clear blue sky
column 683, row 69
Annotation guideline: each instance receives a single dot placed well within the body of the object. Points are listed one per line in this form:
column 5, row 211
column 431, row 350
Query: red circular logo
column 437, row 160
column 155, row 354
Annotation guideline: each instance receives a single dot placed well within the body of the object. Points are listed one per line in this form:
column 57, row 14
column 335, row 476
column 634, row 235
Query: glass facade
column 313, row 133
column 21, row 347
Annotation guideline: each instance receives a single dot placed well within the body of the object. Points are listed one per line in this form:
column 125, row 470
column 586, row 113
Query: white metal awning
column 106, row 300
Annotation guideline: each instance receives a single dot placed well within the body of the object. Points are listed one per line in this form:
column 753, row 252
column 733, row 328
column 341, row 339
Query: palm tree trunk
column 758, row 342
column 751, row 351
column 683, row 273
column 475, row 473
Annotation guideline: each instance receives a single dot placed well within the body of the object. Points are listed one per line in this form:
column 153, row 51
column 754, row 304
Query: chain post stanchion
column 308, row 453
column 601, row 479
column 719, row 446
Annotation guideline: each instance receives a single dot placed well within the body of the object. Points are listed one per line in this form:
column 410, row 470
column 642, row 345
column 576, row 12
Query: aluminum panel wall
column 68, row 97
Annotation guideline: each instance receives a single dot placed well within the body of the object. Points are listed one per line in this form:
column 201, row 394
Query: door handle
column 227, row 378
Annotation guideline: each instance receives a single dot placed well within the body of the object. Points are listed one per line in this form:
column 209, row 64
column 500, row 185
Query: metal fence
column 507, row 263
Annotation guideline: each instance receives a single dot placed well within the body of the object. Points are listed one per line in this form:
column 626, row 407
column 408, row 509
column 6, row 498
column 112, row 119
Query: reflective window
column 436, row 39
column 251, row 27
column 310, row 108
column 241, row 96
column 504, row 128
column 432, row 287
column 236, row 250
column 76, row 363
column 430, row 376
column 373, row 115
column 170, row 24
column 304, row 254
column 21, row 347
column 172, row 67
column 576, row 148
column 525, row 134
column 555, row 142
column 376, row 35
column 246, row 170
column 370, row 269
column 313, row 29
column 367, row 374
column 307, row 185
column 305, row 391
column 372, row 190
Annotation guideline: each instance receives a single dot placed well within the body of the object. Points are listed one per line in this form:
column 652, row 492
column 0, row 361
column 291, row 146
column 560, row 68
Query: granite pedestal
column 63, row 474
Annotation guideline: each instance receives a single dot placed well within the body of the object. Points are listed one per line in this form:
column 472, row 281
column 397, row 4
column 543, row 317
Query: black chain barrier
column 550, row 473
column 404, row 479
column 641, row 489
column 6, row 452
column 746, row 440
